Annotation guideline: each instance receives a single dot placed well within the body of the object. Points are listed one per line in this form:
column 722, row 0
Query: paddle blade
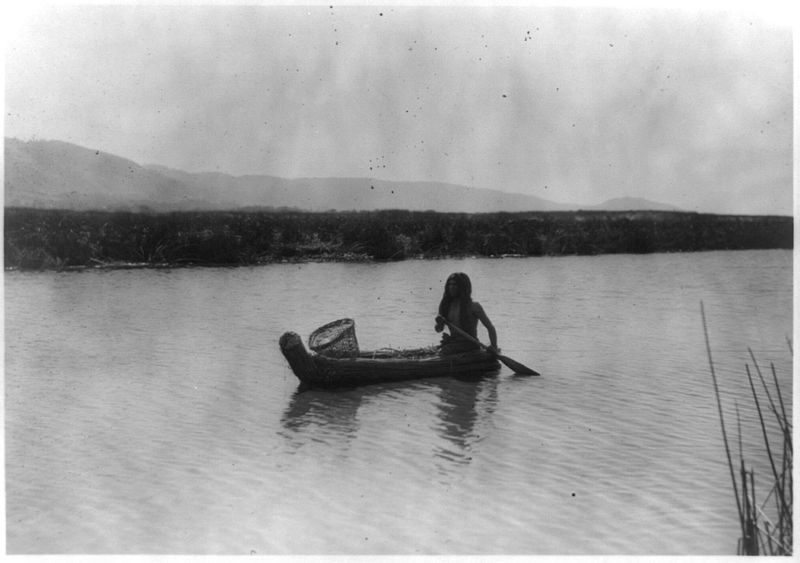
column 516, row 366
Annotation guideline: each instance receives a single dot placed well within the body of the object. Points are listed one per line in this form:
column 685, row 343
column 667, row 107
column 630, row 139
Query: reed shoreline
column 765, row 517
column 39, row 239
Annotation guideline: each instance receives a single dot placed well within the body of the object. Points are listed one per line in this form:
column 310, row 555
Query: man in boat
column 458, row 308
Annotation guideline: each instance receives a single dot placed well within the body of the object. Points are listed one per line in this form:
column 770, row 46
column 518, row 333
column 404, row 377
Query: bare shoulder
column 478, row 311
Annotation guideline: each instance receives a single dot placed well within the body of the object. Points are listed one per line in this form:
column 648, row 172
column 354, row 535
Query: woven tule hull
column 380, row 366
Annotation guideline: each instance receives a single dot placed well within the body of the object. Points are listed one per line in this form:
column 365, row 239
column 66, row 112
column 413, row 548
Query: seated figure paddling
column 460, row 310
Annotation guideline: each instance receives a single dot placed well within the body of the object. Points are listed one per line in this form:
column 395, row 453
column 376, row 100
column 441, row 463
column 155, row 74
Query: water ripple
column 152, row 412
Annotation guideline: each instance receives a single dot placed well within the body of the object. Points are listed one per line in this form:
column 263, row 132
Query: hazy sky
column 687, row 107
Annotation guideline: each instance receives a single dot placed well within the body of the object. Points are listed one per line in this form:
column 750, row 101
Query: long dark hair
column 464, row 298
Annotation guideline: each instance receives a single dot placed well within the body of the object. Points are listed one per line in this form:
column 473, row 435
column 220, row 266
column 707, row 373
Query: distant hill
column 634, row 203
column 55, row 174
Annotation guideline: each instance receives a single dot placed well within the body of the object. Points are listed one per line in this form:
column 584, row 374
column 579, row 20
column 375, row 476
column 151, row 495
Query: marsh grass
column 766, row 523
column 44, row 239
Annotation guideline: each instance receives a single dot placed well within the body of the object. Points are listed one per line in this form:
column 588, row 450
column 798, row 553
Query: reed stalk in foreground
column 762, row 533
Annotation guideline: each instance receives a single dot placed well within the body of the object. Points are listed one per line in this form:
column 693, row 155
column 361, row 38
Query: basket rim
column 345, row 321
column 346, row 328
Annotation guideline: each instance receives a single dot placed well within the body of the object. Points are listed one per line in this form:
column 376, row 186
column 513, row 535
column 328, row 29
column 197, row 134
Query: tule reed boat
column 336, row 361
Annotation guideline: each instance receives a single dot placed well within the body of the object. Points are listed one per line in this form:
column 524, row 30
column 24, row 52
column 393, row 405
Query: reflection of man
column 459, row 413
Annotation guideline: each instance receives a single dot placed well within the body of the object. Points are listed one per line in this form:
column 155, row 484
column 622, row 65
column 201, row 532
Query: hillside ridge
column 52, row 174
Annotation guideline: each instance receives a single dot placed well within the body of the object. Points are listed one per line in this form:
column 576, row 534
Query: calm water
column 152, row 411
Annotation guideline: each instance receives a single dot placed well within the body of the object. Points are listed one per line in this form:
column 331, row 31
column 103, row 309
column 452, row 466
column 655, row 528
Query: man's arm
column 481, row 314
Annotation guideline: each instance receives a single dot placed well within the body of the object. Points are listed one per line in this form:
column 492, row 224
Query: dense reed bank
column 56, row 239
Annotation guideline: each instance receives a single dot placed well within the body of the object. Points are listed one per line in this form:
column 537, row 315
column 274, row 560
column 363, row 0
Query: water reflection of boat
column 336, row 412
column 463, row 409
column 380, row 366
column 327, row 415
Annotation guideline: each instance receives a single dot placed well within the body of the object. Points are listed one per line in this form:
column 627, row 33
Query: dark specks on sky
column 688, row 107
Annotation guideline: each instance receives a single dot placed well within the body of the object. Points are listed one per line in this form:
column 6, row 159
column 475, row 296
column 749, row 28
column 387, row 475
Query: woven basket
column 336, row 339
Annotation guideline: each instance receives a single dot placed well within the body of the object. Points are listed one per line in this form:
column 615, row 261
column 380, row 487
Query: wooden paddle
column 512, row 364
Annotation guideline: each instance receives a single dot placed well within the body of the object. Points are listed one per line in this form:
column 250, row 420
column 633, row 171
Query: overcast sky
column 686, row 107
